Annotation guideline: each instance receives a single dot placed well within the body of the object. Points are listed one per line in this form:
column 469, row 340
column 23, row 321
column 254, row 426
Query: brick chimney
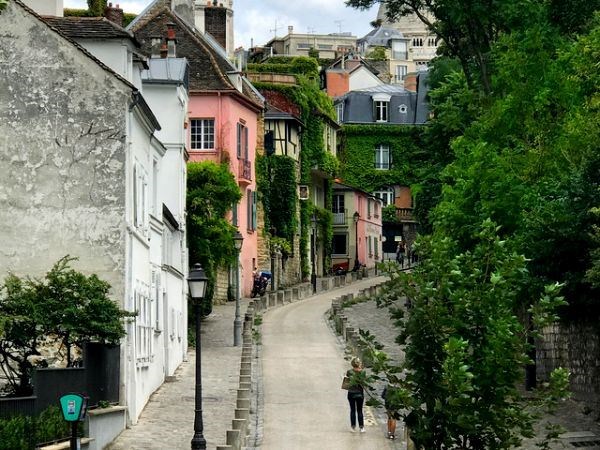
column 215, row 23
column 171, row 41
column 114, row 14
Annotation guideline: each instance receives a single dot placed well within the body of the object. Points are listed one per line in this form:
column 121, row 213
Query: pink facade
column 223, row 127
column 368, row 228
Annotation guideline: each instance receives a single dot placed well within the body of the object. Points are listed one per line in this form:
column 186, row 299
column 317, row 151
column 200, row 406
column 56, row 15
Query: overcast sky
column 256, row 19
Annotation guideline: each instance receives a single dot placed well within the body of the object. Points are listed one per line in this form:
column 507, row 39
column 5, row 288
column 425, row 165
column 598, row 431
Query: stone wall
column 576, row 347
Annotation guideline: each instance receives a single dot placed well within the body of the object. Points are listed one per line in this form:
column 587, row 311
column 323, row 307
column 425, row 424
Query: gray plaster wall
column 62, row 154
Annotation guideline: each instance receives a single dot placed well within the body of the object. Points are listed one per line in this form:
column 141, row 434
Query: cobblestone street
column 579, row 427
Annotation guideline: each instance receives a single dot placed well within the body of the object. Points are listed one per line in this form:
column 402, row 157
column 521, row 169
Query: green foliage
column 211, row 193
column 298, row 65
column 313, row 53
column 23, row 433
column 128, row 18
column 465, row 347
column 357, row 166
column 389, row 214
column 96, row 7
column 3, row 4
column 377, row 54
column 73, row 12
column 66, row 305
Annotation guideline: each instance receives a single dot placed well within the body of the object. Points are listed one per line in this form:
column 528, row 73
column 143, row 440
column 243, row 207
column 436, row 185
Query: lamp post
column 197, row 281
column 313, row 275
column 238, row 239
column 356, row 217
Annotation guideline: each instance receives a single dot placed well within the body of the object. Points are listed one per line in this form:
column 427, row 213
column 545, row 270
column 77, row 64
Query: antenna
column 339, row 24
column 274, row 30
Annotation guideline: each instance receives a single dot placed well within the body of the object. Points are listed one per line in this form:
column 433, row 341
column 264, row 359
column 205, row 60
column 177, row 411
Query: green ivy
column 276, row 182
column 409, row 160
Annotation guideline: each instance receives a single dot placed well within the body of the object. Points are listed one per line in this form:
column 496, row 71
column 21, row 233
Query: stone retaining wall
column 575, row 347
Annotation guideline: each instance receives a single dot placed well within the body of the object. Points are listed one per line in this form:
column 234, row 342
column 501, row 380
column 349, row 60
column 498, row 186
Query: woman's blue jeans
column 356, row 400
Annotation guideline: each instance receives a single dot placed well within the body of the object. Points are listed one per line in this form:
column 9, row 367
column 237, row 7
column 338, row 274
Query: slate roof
column 381, row 36
column 209, row 66
column 89, row 28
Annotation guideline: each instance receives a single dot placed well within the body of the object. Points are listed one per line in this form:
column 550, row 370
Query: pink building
column 223, row 113
column 357, row 228
column 223, row 127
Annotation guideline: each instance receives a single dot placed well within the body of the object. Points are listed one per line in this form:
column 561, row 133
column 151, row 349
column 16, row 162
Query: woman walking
column 356, row 396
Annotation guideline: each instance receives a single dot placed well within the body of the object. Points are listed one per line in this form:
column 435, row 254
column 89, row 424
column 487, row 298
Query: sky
column 256, row 20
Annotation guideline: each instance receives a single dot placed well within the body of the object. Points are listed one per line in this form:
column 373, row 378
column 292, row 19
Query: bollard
column 272, row 299
column 243, row 394
column 242, row 403
column 233, row 439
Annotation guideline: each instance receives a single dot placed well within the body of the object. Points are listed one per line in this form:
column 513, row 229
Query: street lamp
column 197, row 281
column 238, row 239
column 313, row 276
column 356, row 217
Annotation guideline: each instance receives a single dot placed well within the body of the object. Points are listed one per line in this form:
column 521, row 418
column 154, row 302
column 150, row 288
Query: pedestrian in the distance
column 392, row 413
column 356, row 397
column 400, row 254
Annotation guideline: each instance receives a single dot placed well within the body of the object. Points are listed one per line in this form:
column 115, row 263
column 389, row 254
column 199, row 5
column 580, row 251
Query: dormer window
column 381, row 105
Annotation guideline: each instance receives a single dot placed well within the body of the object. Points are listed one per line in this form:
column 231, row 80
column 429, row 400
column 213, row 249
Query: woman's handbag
column 346, row 382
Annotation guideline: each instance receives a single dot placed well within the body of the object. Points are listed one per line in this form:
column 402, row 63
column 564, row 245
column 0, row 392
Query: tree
column 66, row 307
column 211, row 193
column 465, row 347
column 377, row 54
column 96, row 7
column 468, row 28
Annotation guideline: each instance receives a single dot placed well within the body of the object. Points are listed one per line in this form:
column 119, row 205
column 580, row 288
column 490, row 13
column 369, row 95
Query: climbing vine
column 276, row 179
column 315, row 109
column 407, row 154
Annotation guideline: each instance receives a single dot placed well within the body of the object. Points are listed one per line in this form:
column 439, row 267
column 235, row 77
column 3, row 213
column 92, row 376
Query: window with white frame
column 155, row 291
column 382, row 157
column 386, row 195
column 401, row 71
column 140, row 198
column 381, row 110
column 339, row 111
column 242, row 141
column 202, row 134
column 399, row 50
column 143, row 325
column 338, row 206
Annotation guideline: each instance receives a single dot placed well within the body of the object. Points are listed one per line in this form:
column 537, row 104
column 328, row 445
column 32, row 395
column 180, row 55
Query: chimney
column 156, row 43
column 115, row 15
column 215, row 24
column 171, row 41
column 290, row 29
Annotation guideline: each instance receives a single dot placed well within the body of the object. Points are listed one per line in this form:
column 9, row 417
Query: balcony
column 339, row 218
column 245, row 170
column 405, row 215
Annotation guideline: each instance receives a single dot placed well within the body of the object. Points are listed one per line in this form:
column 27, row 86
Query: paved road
column 302, row 367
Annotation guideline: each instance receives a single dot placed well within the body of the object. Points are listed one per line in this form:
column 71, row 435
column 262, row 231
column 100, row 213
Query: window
column 381, row 111
column 303, row 46
column 376, row 209
column 154, row 205
column 376, row 247
column 143, row 324
column 368, row 208
column 251, row 205
column 370, row 246
column 202, row 134
column 387, row 196
column 432, row 42
column 234, row 215
column 339, row 111
column 156, row 293
column 399, row 50
column 382, row 157
column 417, row 42
column 421, row 66
column 242, row 141
column 401, row 72
column 140, row 198
column 325, row 46
column 340, row 244
column 338, row 204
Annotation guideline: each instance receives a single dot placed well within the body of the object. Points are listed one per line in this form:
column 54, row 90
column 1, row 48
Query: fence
column 98, row 379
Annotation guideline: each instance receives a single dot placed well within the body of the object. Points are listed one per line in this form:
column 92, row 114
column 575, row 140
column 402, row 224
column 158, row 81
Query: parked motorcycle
column 261, row 283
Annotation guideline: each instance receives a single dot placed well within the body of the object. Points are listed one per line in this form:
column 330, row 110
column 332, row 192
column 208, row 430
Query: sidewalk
column 167, row 422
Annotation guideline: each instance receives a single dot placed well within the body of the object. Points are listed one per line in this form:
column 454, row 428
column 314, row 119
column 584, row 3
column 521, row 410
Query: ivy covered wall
column 315, row 108
column 357, row 159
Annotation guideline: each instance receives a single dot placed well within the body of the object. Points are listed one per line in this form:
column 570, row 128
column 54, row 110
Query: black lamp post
column 356, row 217
column 238, row 239
column 313, row 275
column 197, row 281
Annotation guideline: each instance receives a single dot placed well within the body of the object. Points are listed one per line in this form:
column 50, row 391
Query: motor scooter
column 261, row 283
